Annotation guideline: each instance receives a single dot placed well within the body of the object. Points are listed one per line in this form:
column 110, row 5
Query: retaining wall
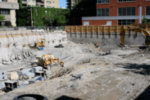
column 21, row 40
column 107, row 41
column 13, row 45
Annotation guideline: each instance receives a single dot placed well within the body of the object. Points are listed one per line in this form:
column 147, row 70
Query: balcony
column 24, row 1
column 40, row 4
column 7, row 17
column 8, row 5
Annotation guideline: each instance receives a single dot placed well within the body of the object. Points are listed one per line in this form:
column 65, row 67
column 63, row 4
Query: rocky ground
column 90, row 74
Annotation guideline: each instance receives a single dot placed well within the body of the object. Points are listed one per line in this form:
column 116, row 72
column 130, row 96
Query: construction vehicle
column 40, row 44
column 144, row 30
column 110, row 30
column 49, row 59
column 136, row 28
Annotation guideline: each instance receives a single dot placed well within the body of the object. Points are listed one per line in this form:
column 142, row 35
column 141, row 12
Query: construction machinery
column 145, row 32
column 111, row 30
column 136, row 28
column 40, row 44
column 49, row 59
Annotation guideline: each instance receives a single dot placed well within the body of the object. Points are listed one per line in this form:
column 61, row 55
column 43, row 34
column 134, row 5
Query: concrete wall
column 13, row 1
column 11, row 5
column 11, row 46
column 31, row 3
column 46, row 3
column 21, row 40
column 107, row 41
column 13, row 17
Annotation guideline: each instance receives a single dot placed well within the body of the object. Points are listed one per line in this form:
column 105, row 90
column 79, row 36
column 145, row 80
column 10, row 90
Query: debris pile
column 26, row 76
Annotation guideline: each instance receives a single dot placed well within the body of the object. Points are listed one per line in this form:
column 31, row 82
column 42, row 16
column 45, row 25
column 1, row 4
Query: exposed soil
column 89, row 73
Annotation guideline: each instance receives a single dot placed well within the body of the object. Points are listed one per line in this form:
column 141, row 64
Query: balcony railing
column 7, row 17
column 40, row 4
column 24, row 1
column 8, row 5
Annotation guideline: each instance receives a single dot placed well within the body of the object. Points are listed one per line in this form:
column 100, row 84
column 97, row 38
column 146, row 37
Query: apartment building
column 31, row 3
column 41, row 3
column 71, row 3
column 8, row 9
column 119, row 12
column 51, row 3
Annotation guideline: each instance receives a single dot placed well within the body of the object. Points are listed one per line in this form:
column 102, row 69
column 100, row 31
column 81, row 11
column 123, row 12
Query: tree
column 20, row 3
column 61, row 20
column 82, row 9
column 2, row 17
column 23, row 17
column 42, row 16
column 144, row 20
column 48, row 19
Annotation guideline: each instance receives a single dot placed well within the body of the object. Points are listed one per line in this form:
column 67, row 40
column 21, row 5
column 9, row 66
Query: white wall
column 9, row 44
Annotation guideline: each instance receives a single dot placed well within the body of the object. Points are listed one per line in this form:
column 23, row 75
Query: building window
column 103, row 12
column 4, row 11
column 5, row 23
column 126, row 0
column 102, row 1
column 48, row 2
column 148, row 10
column 3, row 0
column 49, row 7
column 126, row 22
column 129, row 11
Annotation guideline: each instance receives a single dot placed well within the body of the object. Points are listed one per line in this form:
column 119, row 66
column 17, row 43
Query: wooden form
column 108, row 30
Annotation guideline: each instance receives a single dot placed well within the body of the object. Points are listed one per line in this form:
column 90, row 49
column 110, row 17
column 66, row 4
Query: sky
column 62, row 3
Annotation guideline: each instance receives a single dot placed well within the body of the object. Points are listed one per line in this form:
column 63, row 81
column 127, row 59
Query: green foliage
column 48, row 19
column 145, row 20
column 20, row 3
column 2, row 17
column 49, row 16
column 82, row 9
column 42, row 16
column 23, row 17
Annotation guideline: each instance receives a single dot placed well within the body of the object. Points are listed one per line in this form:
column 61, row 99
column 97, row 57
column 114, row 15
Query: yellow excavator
column 137, row 28
column 48, row 59
column 40, row 44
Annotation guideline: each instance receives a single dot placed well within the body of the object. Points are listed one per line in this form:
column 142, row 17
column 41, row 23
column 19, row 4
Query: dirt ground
column 90, row 74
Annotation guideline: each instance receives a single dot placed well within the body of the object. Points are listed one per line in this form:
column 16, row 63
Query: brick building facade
column 119, row 12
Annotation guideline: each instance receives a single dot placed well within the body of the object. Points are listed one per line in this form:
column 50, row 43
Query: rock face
column 17, row 47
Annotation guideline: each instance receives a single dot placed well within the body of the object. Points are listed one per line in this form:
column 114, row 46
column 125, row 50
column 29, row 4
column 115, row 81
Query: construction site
column 78, row 63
